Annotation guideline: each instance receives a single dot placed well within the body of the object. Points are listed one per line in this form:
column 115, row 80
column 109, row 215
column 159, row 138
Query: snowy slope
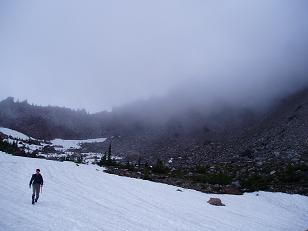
column 83, row 198
column 60, row 143
column 63, row 147
column 75, row 144
column 14, row 134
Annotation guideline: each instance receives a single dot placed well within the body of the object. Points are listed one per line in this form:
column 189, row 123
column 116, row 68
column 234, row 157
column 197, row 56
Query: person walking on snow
column 37, row 182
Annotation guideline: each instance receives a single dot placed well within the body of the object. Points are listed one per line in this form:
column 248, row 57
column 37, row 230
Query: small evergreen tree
column 10, row 148
column 109, row 152
column 95, row 160
column 79, row 159
column 103, row 160
column 160, row 167
column 129, row 166
column 146, row 172
column 139, row 162
column 68, row 158
column 108, row 157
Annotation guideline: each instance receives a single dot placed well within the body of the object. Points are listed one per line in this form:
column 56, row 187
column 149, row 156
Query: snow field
column 85, row 198
column 15, row 134
column 67, row 144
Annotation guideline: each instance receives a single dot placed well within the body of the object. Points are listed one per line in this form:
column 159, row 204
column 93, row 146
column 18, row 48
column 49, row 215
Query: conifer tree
column 103, row 160
column 139, row 162
column 109, row 154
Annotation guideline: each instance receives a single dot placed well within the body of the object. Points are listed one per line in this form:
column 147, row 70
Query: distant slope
column 282, row 130
column 149, row 129
column 48, row 122
column 83, row 198
column 143, row 123
column 141, row 119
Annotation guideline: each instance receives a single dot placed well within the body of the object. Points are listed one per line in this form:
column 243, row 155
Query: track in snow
column 82, row 198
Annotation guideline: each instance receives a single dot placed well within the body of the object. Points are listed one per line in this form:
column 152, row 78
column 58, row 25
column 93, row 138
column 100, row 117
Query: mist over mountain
column 102, row 55
column 180, row 110
column 144, row 127
column 200, row 69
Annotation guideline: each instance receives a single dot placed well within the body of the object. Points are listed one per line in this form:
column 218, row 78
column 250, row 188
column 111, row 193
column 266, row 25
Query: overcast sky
column 98, row 54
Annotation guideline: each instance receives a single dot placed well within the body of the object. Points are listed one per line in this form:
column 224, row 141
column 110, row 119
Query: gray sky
column 98, row 54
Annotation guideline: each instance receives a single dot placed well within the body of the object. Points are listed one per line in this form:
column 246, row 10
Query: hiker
column 37, row 182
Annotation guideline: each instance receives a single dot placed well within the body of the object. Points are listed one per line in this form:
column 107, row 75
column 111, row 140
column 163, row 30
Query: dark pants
column 36, row 191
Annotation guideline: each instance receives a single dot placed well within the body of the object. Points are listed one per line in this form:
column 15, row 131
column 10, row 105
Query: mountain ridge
column 131, row 132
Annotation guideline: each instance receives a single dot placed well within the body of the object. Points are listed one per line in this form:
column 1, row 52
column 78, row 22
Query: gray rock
column 215, row 201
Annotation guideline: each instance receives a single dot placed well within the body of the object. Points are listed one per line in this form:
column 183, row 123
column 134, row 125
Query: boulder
column 215, row 201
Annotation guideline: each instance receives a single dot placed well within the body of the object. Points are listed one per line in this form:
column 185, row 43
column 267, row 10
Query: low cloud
column 104, row 54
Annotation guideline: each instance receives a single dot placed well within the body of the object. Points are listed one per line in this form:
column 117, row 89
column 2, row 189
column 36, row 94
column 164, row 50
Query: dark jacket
column 36, row 179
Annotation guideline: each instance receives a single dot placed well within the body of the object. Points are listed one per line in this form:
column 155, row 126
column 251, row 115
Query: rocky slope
column 271, row 154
